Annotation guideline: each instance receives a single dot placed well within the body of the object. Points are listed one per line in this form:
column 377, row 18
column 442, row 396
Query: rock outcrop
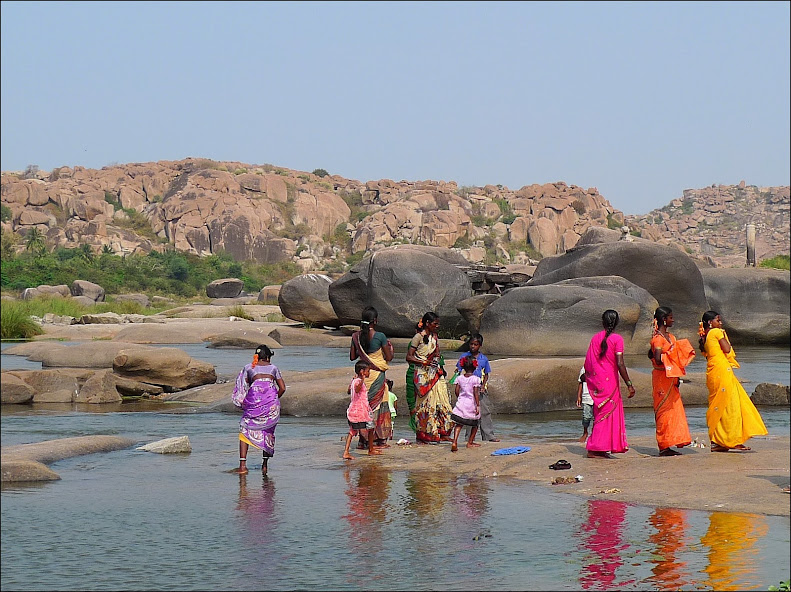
column 306, row 299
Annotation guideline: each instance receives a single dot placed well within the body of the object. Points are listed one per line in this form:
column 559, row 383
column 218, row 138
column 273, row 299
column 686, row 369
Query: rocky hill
column 321, row 221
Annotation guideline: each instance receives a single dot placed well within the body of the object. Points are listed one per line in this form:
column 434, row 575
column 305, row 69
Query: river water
column 134, row 520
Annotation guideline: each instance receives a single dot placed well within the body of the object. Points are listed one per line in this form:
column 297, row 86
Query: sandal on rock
column 560, row 465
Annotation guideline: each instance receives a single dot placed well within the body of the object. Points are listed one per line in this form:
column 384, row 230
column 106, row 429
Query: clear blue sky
column 640, row 100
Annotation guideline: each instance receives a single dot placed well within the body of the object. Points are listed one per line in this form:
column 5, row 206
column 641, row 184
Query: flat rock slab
column 20, row 462
column 177, row 445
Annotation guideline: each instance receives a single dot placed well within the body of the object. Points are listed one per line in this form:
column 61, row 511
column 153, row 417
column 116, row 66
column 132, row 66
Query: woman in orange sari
column 732, row 417
column 669, row 357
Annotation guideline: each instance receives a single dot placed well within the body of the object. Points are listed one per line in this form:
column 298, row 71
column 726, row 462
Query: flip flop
column 513, row 450
column 560, row 465
column 741, row 447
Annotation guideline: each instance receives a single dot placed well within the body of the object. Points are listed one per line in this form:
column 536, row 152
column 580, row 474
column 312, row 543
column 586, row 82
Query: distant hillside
column 325, row 222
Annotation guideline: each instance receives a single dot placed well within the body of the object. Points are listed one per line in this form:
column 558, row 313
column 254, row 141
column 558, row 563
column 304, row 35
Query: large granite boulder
column 754, row 303
column 472, row 309
column 767, row 393
column 559, row 320
column 402, row 284
column 306, row 299
column 46, row 290
column 168, row 367
column 225, row 288
column 84, row 288
column 667, row 273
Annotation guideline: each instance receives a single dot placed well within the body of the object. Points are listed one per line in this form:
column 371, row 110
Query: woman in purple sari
column 258, row 389
column 603, row 363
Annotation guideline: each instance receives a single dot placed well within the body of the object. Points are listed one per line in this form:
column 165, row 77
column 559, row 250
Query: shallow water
column 135, row 520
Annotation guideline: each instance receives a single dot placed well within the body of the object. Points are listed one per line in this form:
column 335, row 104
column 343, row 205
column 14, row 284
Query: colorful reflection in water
column 603, row 545
column 731, row 540
column 670, row 570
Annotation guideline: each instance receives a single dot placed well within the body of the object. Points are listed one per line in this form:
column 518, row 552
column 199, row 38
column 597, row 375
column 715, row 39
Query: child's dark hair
column 609, row 320
column 476, row 337
column 360, row 366
column 370, row 314
column 582, row 377
column 468, row 364
column 708, row 316
column 262, row 352
column 429, row 317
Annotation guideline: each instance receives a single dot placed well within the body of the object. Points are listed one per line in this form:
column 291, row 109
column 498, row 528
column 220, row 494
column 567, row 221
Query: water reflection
column 731, row 540
column 427, row 497
column 367, row 491
column 670, row 572
column 257, row 507
column 602, row 544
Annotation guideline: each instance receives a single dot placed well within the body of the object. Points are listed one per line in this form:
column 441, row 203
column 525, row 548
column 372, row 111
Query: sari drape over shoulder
column 431, row 420
column 732, row 418
column 601, row 374
column 260, row 406
column 376, row 383
column 672, row 428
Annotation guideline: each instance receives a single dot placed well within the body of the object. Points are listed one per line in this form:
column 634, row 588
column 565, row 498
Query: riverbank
column 699, row 479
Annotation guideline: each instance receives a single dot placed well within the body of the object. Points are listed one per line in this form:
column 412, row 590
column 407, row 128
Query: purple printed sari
column 260, row 406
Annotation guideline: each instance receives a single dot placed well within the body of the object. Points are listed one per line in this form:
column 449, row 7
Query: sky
column 638, row 99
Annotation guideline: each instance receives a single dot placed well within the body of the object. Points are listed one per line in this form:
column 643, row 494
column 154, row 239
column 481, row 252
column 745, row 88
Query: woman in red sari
column 373, row 347
column 669, row 357
column 603, row 363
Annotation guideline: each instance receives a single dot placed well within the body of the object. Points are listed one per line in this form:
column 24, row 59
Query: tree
column 86, row 253
column 320, row 172
column 35, row 242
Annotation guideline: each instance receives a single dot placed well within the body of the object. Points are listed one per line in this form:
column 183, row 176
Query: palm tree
column 35, row 242
column 86, row 253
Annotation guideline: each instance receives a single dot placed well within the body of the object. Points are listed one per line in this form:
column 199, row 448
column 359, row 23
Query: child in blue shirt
column 482, row 370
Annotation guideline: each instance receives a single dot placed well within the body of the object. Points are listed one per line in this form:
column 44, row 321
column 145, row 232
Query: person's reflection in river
column 428, row 497
column 732, row 554
column 258, row 513
column 602, row 543
column 367, row 490
column 671, row 527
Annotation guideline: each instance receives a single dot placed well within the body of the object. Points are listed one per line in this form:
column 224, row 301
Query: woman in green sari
column 426, row 388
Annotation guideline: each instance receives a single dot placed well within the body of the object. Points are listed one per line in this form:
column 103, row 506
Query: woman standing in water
column 669, row 357
column 732, row 418
column 603, row 363
column 373, row 348
column 426, row 388
column 258, row 389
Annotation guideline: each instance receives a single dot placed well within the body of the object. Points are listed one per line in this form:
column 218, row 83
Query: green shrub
column 463, row 242
column 578, row 206
column 613, row 223
column 783, row 587
column 239, row 311
column 777, row 262
column 15, row 321
column 5, row 213
column 320, row 172
column 508, row 219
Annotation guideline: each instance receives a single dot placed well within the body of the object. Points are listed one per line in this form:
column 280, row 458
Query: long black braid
column 369, row 315
column 610, row 321
column 708, row 316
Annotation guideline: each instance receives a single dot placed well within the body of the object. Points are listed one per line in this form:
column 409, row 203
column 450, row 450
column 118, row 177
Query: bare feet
column 719, row 448
column 381, row 445
column 445, row 439
column 454, row 448
column 347, row 456
column 473, row 445
column 582, row 438
column 741, row 447
column 494, row 440
column 669, row 452
column 374, row 452
column 597, row 454
column 241, row 471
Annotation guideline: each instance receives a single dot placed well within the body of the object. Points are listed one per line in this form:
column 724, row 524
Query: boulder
column 472, row 310
column 225, row 288
column 242, row 340
column 754, row 303
column 84, row 300
column 558, row 320
column 269, row 294
column 141, row 299
column 94, row 354
column 177, row 445
column 20, row 471
column 51, row 386
column 305, row 298
column 767, row 393
column 102, row 318
column 668, row 274
column 14, row 390
column 89, row 289
column 167, row 367
column 402, row 284
column 99, row 388
column 296, row 336
column 44, row 289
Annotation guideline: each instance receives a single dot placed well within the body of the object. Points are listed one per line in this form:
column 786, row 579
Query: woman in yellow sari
column 426, row 388
column 732, row 418
column 375, row 349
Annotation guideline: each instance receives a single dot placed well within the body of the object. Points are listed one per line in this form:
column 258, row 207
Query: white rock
column 176, row 445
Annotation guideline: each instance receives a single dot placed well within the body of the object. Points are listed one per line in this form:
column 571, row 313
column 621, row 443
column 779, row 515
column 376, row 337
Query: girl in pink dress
column 603, row 363
column 359, row 412
column 468, row 404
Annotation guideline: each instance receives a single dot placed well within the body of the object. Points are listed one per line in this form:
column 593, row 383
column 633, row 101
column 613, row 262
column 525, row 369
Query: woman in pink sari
column 603, row 363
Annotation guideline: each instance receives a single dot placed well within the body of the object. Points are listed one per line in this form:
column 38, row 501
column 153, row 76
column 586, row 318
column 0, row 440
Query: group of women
column 731, row 417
